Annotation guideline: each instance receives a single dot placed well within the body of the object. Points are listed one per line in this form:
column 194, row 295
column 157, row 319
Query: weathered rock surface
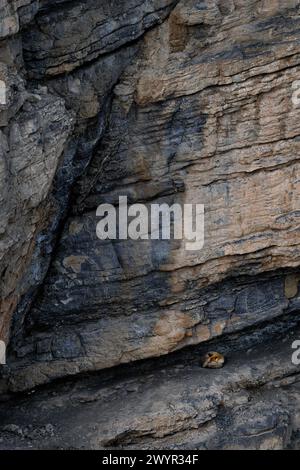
column 73, row 33
column 47, row 134
column 161, row 101
column 14, row 14
column 252, row 403
column 34, row 129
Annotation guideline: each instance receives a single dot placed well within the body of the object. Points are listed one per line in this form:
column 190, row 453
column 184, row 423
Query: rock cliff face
column 160, row 101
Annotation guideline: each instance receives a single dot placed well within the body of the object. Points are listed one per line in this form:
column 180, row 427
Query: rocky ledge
column 162, row 101
column 253, row 402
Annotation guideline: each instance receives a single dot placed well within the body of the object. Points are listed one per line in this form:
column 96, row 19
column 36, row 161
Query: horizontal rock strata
column 161, row 101
column 252, row 403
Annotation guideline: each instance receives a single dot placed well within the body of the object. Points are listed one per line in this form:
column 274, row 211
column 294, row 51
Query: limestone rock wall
column 162, row 101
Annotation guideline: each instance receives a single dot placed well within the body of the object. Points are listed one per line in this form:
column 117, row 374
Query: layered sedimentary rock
column 49, row 129
column 34, row 128
column 159, row 101
column 252, row 403
column 64, row 38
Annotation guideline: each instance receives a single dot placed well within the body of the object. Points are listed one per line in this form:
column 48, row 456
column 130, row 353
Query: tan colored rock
column 204, row 112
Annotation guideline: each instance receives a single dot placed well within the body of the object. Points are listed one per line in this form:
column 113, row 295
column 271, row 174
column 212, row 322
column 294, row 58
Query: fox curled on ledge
column 213, row 360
